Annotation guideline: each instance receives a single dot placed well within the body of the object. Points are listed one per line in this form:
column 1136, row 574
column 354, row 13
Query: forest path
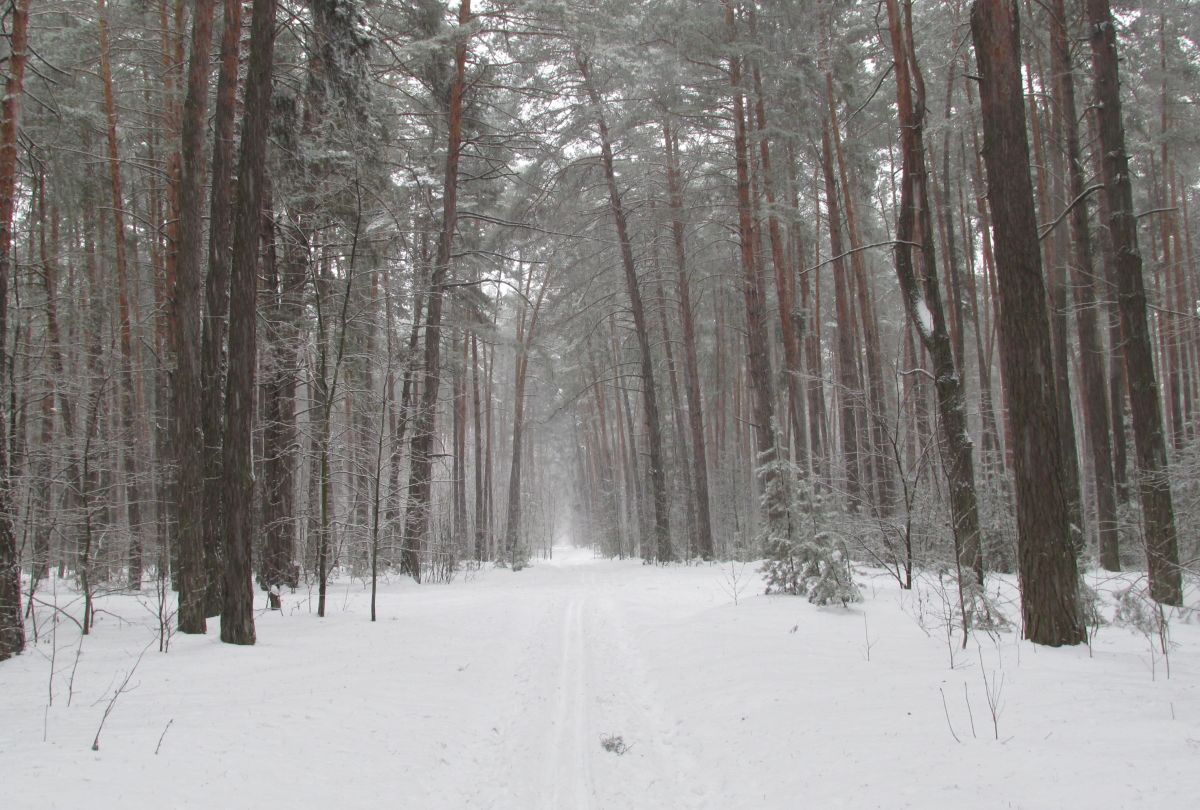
column 588, row 714
column 496, row 691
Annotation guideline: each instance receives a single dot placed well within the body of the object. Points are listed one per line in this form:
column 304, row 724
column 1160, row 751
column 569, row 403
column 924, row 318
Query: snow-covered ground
column 501, row 690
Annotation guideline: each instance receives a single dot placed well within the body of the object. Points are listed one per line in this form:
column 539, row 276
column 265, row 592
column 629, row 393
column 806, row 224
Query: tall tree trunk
column 876, row 410
column 186, row 381
column 416, row 519
column 481, row 522
column 66, row 404
column 325, row 388
column 789, row 335
column 992, row 451
column 1091, row 346
column 1054, row 260
column 691, row 366
column 662, row 511
column 406, row 400
column 1112, row 306
column 1049, row 578
column 526, row 327
column 776, row 486
column 12, row 629
column 1158, row 511
column 460, row 534
column 848, row 394
column 922, row 297
column 280, row 372
column 216, row 293
column 681, row 443
column 131, row 399
column 237, row 614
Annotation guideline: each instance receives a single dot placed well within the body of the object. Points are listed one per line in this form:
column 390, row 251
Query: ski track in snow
column 582, row 680
column 495, row 693
column 571, row 773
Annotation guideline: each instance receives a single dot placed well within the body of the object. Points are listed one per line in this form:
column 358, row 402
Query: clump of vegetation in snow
column 614, row 744
column 804, row 560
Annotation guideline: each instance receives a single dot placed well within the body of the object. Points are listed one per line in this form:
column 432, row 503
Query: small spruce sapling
column 805, row 560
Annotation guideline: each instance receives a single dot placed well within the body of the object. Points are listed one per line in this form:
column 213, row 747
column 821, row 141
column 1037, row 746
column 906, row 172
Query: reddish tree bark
column 1083, row 272
column 131, row 389
column 775, row 486
column 416, row 518
column 12, row 629
column 922, row 296
column 186, row 381
column 658, row 482
column 216, row 294
column 237, row 463
column 1049, row 578
column 691, row 366
column 1158, row 511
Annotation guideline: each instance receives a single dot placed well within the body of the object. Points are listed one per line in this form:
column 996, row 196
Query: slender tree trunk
column 1158, row 512
column 1112, row 306
column 12, row 629
column 1054, row 261
column 280, row 372
column 66, row 405
column 1091, row 346
column 810, row 306
column 783, row 283
column 131, row 399
column 460, row 535
column 662, row 551
column 416, row 519
column 876, row 410
column 325, row 394
column 186, row 381
column 477, row 435
column 923, row 300
column 848, row 389
column 237, row 614
column 216, row 292
column 691, row 366
column 992, row 451
column 775, row 484
column 512, row 527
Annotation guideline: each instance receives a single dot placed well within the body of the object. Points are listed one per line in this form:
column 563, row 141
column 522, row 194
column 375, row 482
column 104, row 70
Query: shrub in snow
column 982, row 611
column 1089, row 605
column 1136, row 610
column 782, row 568
column 816, row 566
column 803, row 560
column 827, row 575
column 614, row 744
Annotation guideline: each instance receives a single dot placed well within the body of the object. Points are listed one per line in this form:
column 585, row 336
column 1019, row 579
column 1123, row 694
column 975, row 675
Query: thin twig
column 859, row 249
column 1052, row 224
column 947, row 710
column 164, row 734
column 970, row 714
column 1141, row 214
column 120, row 690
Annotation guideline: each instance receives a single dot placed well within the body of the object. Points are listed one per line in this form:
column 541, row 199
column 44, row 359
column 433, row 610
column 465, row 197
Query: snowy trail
column 582, row 680
column 494, row 693
column 571, row 772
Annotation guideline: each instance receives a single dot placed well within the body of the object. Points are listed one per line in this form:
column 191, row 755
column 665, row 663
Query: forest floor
column 578, row 683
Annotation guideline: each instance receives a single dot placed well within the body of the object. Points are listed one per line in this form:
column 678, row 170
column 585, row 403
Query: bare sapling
column 120, row 690
column 734, row 580
column 868, row 642
column 993, row 688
